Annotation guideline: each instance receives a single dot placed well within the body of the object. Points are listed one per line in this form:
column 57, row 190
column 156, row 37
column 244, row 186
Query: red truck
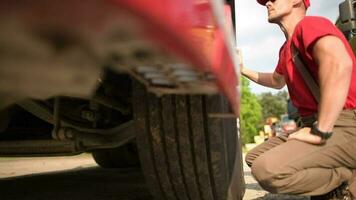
column 126, row 80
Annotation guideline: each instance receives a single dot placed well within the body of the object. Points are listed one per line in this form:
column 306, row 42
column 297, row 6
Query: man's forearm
column 265, row 79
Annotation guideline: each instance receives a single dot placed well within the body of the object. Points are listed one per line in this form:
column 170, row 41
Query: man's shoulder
column 312, row 28
column 314, row 21
column 314, row 24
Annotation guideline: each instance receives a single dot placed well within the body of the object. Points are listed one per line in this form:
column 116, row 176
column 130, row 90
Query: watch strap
column 316, row 131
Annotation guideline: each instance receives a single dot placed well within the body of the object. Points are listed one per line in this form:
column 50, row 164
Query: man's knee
column 249, row 158
column 267, row 175
column 252, row 155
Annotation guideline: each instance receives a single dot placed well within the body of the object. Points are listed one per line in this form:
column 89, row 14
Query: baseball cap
column 263, row 2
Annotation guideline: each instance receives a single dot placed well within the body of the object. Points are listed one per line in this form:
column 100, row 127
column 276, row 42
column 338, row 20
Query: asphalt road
column 78, row 177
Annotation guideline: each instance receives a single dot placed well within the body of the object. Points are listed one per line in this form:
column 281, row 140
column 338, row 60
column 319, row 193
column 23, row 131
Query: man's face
column 277, row 9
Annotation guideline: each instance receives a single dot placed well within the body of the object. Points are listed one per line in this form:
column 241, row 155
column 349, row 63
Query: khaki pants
column 295, row 167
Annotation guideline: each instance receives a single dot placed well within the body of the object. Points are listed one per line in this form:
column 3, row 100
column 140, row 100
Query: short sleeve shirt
column 306, row 34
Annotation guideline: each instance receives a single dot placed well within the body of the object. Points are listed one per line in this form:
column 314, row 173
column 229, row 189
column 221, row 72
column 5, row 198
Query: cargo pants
column 299, row 168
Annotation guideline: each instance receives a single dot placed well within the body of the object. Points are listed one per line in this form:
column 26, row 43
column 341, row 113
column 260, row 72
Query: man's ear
column 297, row 3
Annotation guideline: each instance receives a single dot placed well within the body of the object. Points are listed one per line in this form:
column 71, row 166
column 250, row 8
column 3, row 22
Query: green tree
column 273, row 105
column 251, row 113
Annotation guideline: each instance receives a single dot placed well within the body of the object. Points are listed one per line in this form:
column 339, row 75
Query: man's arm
column 335, row 72
column 272, row 80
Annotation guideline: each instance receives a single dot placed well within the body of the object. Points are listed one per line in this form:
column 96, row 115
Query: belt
column 308, row 120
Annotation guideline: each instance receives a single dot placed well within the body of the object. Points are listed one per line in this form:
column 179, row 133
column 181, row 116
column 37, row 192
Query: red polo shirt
column 305, row 35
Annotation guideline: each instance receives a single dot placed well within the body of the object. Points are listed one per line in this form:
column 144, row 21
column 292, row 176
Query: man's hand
column 304, row 135
column 241, row 64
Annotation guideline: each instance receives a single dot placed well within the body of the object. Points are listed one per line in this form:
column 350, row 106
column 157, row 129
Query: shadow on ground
column 90, row 183
column 281, row 197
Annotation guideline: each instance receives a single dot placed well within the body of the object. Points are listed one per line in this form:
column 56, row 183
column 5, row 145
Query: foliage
column 273, row 105
column 251, row 113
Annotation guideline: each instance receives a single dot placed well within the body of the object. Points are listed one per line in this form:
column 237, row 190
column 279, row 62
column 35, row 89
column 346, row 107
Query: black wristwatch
column 315, row 131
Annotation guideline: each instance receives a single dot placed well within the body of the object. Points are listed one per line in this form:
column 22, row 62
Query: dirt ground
column 78, row 177
column 68, row 178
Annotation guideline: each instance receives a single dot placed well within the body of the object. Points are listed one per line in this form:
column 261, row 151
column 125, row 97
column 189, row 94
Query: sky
column 260, row 41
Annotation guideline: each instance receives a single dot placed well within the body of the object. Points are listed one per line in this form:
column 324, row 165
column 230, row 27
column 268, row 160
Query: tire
column 185, row 154
column 4, row 119
column 120, row 157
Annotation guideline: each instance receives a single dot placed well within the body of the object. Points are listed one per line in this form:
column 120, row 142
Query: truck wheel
column 4, row 119
column 185, row 153
column 120, row 157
